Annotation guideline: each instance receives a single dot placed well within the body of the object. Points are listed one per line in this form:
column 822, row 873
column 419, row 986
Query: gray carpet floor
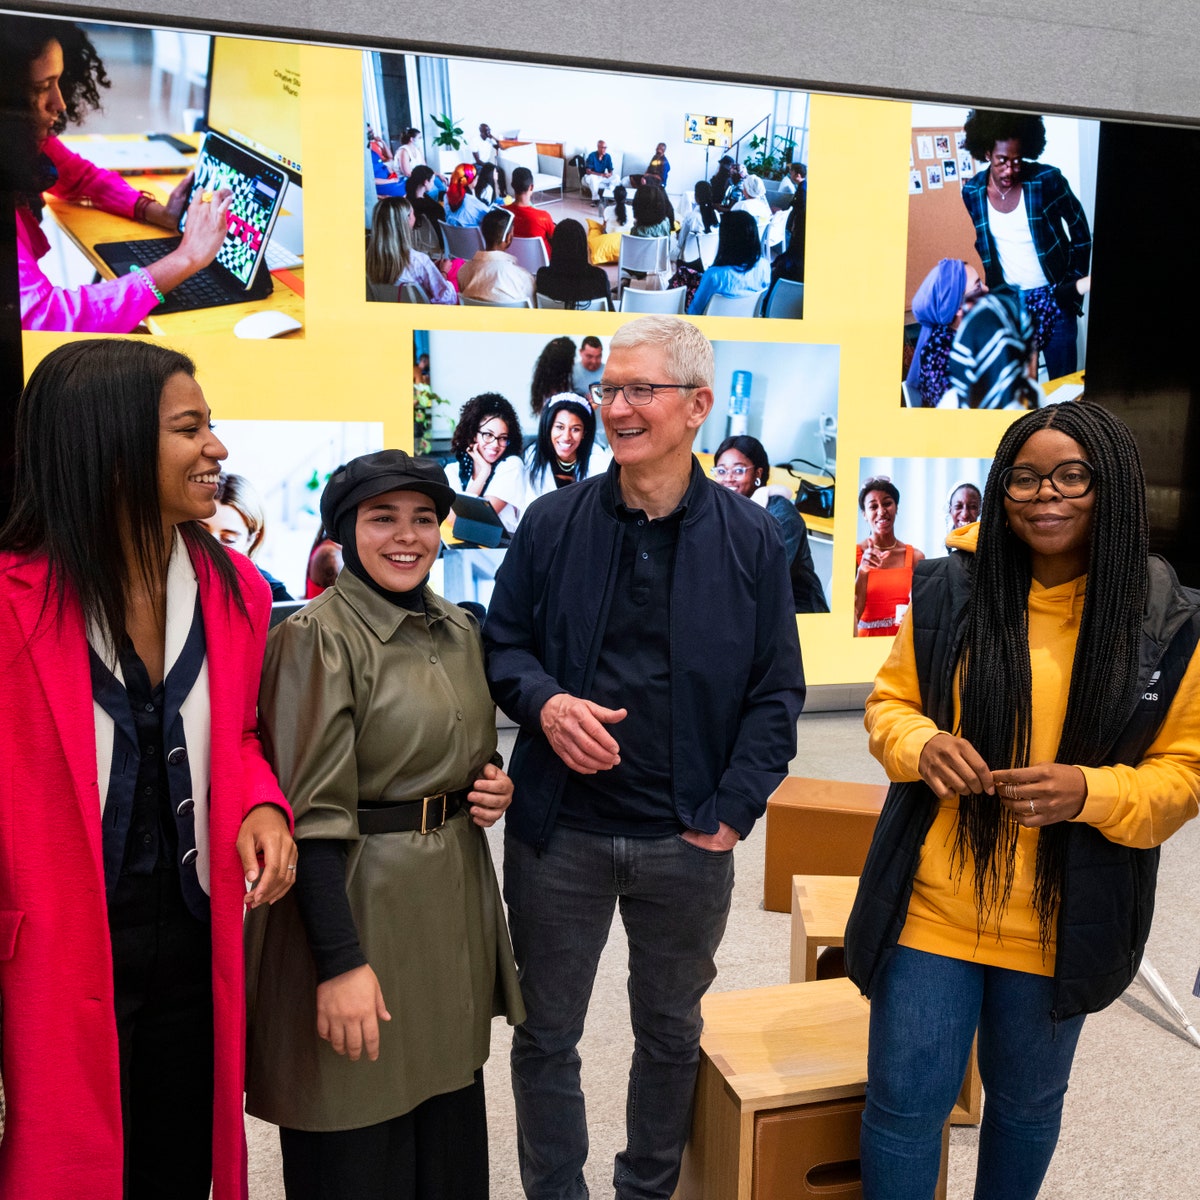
column 1129, row 1129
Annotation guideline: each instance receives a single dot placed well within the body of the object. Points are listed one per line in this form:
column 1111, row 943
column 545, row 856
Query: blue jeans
column 674, row 901
column 923, row 1016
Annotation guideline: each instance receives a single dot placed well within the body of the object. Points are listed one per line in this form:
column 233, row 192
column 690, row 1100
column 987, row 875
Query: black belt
column 423, row 815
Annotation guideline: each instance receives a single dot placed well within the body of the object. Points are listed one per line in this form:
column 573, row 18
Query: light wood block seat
column 817, row 827
column 779, row 1095
column 820, row 909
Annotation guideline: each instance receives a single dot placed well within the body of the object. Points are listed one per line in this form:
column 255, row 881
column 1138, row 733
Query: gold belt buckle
column 425, row 802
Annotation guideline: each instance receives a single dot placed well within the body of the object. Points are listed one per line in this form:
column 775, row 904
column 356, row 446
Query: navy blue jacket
column 1057, row 222
column 737, row 683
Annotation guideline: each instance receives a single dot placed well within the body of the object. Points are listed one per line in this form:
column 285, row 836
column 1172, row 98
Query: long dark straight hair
column 995, row 683
column 544, row 458
column 738, row 244
column 704, row 202
column 86, row 478
column 569, row 266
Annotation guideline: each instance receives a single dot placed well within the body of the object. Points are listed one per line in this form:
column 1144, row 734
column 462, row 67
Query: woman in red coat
column 138, row 817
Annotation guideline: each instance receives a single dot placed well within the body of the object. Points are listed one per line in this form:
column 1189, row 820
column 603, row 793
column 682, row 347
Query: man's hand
column 575, row 729
column 725, row 838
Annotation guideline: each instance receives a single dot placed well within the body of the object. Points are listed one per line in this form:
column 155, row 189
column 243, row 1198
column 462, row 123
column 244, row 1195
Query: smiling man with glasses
column 642, row 633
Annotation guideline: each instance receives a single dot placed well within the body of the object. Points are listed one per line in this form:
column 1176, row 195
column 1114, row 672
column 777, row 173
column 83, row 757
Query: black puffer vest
column 1108, row 889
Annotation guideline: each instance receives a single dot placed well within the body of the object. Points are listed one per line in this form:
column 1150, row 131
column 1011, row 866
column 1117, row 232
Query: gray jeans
column 674, row 901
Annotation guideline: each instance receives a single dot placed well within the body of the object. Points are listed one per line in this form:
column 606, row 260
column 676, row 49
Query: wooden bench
column 779, row 1095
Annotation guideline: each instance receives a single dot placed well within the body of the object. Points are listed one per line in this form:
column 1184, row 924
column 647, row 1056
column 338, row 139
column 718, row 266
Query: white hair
column 688, row 352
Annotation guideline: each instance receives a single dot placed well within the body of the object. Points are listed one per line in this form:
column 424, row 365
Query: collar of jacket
column 383, row 619
column 695, row 500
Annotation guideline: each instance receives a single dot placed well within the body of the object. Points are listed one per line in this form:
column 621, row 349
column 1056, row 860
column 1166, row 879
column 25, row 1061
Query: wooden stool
column 820, row 909
column 817, row 827
column 779, row 1095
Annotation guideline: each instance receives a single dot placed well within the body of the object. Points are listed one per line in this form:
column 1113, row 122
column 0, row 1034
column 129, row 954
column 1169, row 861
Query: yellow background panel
column 354, row 362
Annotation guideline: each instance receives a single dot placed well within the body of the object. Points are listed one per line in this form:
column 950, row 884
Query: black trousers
column 162, row 978
column 436, row 1152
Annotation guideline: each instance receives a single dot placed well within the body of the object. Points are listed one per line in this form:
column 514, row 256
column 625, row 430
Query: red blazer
column 61, row 1075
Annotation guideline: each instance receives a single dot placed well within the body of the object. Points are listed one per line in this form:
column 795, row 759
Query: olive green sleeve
column 306, row 713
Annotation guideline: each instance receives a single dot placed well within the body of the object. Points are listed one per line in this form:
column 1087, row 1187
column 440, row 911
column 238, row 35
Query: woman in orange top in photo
column 883, row 584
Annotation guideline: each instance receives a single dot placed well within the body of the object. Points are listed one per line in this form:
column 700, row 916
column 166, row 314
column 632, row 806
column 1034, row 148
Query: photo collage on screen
column 510, row 225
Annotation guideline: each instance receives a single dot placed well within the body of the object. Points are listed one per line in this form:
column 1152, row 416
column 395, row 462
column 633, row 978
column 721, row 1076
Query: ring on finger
column 1032, row 810
column 291, row 866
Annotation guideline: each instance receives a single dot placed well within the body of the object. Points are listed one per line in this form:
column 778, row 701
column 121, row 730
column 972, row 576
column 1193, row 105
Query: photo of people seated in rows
column 941, row 498
column 534, row 422
column 644, row 211
column 999, row 258
column 121, row 230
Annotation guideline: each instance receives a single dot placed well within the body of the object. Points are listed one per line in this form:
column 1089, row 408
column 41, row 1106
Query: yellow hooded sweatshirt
column 1135, row 806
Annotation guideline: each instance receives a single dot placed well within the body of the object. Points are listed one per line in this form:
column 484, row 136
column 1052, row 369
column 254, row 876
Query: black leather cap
column 384, row 471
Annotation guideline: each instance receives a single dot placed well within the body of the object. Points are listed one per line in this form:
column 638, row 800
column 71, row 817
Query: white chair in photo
column 670, row 301
column 412, row 293
column 735, row 306
column 599, row 304
column 467, row 302
column 461, row 241
column 530, row 253
column 787, row 300
column 702, row 246
column 546, row 169
column 643, row 256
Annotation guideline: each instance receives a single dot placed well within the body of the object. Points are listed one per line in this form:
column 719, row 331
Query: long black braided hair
column 995, row 685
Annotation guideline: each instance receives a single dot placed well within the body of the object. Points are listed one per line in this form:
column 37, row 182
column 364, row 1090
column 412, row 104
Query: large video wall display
column 305, row 183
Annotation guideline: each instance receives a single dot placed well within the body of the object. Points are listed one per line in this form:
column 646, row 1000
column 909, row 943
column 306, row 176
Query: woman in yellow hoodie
column 1038, row 713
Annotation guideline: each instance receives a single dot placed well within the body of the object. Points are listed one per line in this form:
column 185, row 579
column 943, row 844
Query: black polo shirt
column 634, row 672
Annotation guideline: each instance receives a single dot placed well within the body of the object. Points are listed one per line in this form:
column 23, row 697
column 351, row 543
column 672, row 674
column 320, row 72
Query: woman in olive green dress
column 372, row 992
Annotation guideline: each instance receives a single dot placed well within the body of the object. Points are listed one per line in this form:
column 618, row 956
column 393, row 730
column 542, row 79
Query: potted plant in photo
column 425, row 402
column 449, row 141
column 769, row 160
column 449, row 134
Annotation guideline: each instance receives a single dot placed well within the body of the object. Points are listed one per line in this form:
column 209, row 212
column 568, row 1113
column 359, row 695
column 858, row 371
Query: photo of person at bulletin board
column 1014, row 217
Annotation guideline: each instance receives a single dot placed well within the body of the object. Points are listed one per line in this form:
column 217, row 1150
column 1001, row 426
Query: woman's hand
column 177, row 202
column 490, row 796
column 872, row 558
column 349, row 1009
column 479, row 467
column 207, row 225
column 1043, row 794
column 264, row 836
column 951, row 766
